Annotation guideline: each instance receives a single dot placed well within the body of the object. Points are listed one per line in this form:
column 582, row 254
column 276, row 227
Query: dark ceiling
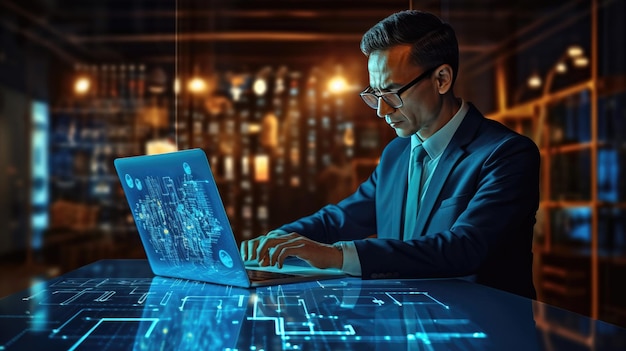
column 235, row 33
column 189, row 37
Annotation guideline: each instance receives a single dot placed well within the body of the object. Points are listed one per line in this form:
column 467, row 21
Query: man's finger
column 297, row 246
column 263, row 253
column 251, row 249
column 286, row 251
column 243, row 250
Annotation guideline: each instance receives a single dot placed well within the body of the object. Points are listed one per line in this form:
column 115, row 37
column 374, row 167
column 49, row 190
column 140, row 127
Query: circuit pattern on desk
column 162, row 313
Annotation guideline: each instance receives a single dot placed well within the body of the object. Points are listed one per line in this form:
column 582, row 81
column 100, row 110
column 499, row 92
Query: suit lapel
column 449, row 159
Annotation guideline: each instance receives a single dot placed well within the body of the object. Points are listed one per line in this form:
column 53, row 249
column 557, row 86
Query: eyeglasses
column 392, row 98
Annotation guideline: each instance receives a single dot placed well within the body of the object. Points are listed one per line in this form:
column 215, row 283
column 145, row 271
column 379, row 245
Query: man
column 478, row 182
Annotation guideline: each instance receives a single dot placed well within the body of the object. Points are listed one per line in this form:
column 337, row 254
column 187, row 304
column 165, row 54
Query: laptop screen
column 180, row 217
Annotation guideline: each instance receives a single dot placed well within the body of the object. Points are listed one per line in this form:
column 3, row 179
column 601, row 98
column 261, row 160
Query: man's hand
column 274, row 247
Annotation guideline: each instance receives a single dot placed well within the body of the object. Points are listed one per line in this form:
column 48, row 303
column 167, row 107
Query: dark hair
column 433, row 41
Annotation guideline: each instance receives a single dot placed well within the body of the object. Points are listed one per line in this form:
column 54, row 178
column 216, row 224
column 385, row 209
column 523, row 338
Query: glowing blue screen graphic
column 180, row 216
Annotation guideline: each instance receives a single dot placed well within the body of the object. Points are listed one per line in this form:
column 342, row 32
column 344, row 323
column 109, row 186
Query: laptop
column 184, row 228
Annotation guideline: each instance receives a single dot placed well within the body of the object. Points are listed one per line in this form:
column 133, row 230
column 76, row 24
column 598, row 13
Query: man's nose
column 383, row 108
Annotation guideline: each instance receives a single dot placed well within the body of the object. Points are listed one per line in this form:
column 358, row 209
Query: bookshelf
column 580, row 240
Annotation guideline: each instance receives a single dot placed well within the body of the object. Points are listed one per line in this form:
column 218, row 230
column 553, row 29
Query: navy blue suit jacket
column 476, row 218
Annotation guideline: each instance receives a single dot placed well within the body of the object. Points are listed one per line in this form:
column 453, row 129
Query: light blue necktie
column 413, row 194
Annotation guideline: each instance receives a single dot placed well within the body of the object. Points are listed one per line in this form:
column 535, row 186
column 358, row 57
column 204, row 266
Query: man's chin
column 403, row 133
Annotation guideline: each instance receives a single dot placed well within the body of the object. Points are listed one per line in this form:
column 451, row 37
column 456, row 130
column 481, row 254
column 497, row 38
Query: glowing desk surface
column 121, row 305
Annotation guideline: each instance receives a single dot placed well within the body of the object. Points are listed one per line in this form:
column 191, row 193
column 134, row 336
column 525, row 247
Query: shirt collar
column 437, row 143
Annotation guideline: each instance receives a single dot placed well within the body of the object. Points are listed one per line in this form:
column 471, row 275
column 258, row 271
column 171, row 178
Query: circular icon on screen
column 138, row 184
column 187, row 168
column 226, row 259
column 129, row 181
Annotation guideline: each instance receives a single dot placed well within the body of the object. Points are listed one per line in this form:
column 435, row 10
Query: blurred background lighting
column 177, row 86
column 574, row 51
column 534, row 81
column 81, row 86
column 259, row 87
column 581, row 61
column 197, row 85
column 337, row 85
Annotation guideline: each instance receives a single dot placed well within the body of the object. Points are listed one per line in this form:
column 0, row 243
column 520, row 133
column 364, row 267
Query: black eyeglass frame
column 366, row 94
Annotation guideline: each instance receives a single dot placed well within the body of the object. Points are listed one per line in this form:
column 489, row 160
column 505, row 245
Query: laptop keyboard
column 265, row 275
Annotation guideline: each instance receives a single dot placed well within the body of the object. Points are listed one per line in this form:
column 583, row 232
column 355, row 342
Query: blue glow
column 108, row 313
column 181, row 229
column 580, row 220
column 40, row 117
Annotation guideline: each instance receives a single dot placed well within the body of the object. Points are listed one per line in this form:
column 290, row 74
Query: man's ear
column 443, row 76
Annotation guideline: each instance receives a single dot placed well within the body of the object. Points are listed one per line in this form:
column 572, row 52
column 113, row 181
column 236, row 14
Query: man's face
column 391, row 69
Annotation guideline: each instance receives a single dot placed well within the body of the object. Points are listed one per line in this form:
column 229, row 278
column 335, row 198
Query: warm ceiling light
column 534, row 81
column 337, row 85
column 197, row 85
column 81, row 86
column 574, row 51
column 581, row 61
column 561, row 67
column 259, row 87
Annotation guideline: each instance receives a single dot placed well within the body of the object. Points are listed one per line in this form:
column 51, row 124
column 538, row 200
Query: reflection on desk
column 120, row 305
